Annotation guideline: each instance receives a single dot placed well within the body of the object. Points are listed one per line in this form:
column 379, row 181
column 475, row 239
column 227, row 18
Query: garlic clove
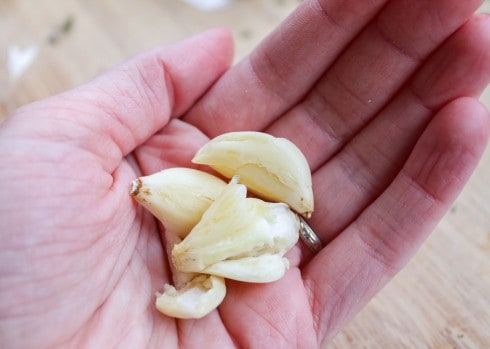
column 177, row 196
column 260, row 269
column 195, row 300
column 272, row 168
column 235, row 226
column 228, row 228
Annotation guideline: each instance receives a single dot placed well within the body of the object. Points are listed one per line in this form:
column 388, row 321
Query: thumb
column 116, row 112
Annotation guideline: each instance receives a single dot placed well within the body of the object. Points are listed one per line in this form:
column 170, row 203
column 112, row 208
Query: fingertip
column 460, row 67
column 466, row 121
column 450, row 149
column 224, row 38
column 474, row 37
column 202, row 58
column 219, row 42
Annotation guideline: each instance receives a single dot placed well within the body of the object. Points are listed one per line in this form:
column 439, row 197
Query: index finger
column 280, row 70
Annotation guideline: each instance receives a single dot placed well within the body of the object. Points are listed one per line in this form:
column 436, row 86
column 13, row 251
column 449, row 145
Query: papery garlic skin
column 272, row 168
column 177, row 196
column 195, row 300
column 236, row 227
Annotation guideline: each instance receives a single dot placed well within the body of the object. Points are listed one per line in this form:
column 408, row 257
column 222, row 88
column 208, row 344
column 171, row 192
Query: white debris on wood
column 208, row 5
column 19, row 59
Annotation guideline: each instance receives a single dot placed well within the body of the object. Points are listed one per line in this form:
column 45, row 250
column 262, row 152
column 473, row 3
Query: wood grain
column 440, row 300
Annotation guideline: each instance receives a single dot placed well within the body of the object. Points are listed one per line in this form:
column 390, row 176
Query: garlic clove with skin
column 272, row 168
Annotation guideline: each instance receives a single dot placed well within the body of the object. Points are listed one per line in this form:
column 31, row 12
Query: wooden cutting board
column 440, row 300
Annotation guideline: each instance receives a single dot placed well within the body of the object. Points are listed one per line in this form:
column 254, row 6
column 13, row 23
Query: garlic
column 214, row 231
column 194, row 295
column 196, row 299
column 272, row 168
column 236, row 228
column 177, row 196
column 263, row 268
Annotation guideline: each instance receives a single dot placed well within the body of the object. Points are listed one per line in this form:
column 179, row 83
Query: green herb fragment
column 64, row 28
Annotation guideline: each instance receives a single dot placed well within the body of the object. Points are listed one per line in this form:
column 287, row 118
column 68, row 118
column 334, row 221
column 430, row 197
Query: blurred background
column 69, row 42
column 440, row 300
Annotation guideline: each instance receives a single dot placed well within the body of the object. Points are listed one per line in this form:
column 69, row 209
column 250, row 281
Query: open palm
column 384, row 110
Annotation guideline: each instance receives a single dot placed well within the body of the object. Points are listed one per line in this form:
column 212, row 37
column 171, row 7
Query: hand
column 385, row 114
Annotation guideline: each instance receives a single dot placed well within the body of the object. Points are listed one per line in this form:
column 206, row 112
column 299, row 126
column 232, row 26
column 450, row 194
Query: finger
column 353, row 267
column 118, row 111
column 365, row 166
column 369, row 73
column 275, row 312
column 278, row 73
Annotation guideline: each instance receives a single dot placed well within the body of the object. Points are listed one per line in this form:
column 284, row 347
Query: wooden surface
column 440, row 300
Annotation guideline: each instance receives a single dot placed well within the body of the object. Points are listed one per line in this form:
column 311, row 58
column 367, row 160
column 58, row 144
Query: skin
column 381, row 96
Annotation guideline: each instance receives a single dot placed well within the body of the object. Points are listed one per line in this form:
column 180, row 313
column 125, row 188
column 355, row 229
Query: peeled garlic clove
column 177, row 196
column 235, row 226
column 263, row 268
column 272, row 168
column 228, row 228
column 195, row 300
